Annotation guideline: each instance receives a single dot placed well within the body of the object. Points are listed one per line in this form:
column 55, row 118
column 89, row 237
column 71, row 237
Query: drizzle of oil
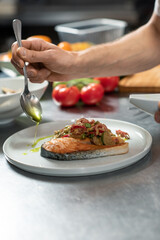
column 39, row 139
column 35, row 135
column 35, row 149
column 36, row 141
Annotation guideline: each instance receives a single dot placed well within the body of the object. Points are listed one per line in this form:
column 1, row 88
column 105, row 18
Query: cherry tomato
column 55, row 92
column 109, row 83
column 66, row 96
column 92, row 93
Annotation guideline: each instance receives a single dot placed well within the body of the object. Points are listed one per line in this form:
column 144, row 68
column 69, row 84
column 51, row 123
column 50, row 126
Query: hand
column 46, row 61
column 157, row 114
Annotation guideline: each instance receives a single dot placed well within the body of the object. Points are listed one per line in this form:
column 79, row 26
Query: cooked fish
column 68, row 148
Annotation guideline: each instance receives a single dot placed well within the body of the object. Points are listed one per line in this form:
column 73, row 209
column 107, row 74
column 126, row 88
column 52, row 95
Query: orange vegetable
column 65, row 46
column 79, row 46
column 6, row 56
column 44, row 37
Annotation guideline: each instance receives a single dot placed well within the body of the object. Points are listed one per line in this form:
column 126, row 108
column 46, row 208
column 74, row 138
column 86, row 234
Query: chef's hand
column 46, row 61
column 157, row 114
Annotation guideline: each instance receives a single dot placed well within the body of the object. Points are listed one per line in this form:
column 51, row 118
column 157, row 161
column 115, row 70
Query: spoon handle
column 17, row 27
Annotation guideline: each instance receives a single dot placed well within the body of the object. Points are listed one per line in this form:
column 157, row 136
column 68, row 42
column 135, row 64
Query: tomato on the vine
column 55, row 92
column 92, row 93
column 108, row 83
column 66, row 96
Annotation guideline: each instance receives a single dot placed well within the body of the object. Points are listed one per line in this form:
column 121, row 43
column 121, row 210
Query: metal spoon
column 29, row 102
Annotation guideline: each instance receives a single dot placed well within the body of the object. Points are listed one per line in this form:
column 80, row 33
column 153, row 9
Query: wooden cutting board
column 143, row 82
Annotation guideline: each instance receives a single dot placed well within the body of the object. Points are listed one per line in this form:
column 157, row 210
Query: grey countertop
column 122, row 205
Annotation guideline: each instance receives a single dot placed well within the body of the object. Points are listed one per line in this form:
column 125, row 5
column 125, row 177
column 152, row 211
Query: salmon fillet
column 68, row 148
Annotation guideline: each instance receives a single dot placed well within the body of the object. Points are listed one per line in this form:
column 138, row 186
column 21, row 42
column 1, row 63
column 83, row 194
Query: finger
column 36, row 44
column 31, row 71
column 20, row 70
column 32, row 56
column 41, row 76
column 15, row 58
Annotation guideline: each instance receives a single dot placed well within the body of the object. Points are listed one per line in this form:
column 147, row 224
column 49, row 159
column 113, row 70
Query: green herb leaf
column 83, row 136
column 81, row 82
column 91, row 135
column 88, row 125
column 55, row 84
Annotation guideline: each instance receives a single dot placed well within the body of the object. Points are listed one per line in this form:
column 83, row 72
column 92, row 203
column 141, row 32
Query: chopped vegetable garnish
column 96, row 132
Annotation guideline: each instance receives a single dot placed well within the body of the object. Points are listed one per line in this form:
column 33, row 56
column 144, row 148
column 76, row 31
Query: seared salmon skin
column 67, row 148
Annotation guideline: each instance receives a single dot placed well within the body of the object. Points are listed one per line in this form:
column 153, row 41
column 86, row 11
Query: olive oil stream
column 36, row 141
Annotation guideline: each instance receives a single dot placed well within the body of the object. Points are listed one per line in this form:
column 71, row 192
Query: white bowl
column 6, row 66
column 9, row 103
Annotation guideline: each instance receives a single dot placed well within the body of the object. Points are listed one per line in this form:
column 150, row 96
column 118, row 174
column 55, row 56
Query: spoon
column 29, row 102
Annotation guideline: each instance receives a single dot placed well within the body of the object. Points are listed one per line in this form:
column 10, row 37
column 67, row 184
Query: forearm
column 135, row 52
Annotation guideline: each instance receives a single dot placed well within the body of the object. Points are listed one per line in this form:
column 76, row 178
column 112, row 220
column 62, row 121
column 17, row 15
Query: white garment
column 157, row 7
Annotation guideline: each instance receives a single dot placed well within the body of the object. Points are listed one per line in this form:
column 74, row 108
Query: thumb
column 31, row 56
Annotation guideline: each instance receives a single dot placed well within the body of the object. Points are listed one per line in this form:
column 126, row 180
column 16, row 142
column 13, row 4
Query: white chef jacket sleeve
column 157, row 7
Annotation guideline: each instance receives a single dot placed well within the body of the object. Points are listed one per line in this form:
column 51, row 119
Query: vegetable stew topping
column 96, row 132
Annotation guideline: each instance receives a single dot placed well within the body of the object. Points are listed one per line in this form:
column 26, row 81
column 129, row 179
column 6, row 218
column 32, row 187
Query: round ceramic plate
column 18, row 150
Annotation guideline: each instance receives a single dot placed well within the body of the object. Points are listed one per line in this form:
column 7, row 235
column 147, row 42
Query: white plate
column 19, row 144
column 146, row 102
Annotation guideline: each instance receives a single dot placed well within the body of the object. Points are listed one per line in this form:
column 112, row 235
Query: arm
column 135, row 52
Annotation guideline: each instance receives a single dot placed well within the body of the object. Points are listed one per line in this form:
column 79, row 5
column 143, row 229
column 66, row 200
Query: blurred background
column 41, row 16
